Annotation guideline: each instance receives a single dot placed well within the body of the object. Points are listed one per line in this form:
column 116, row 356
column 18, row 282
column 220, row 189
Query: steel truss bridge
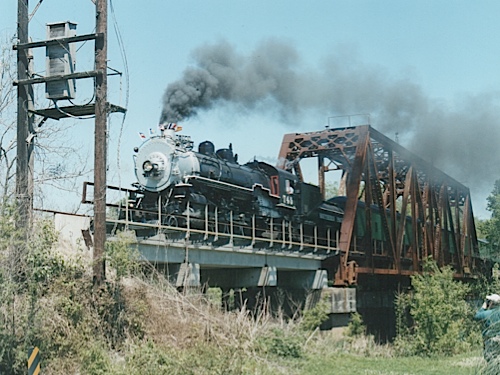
column 420, row 213
column 423, row 212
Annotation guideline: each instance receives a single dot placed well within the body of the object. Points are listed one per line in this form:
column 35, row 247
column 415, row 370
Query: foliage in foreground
column 491, row 228
column 136, row 323
column 435, row 319
column 139, row 324
column 49, row 301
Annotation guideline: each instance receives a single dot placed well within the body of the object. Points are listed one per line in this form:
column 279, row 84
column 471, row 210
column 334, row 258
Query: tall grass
column 138, row 323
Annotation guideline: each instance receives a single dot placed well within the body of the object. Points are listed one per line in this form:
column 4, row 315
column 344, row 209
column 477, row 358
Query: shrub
column 95, row 360
column 313, row 318
column 122, row 256
column 148, row 359
column 279, row 343
column 29, row 269
column 118, row 315
column 439, row 319
column 356, row 327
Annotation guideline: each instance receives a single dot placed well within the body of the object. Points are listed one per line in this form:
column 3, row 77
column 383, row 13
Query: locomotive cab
column 282, row 185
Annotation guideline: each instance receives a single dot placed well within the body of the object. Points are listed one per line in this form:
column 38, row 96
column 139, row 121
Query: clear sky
column 422, row 61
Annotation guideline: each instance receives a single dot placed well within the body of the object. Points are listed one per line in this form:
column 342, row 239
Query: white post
column 231, row 227
column 216, row 224
column 206, row 223
column 271, row 243
column 253, row 230
column 188, row 226
column 315, row 238
column 283, row 233
column 328, row 239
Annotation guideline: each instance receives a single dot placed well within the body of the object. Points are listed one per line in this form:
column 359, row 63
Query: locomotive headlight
column 147, row 166
column 153, row 166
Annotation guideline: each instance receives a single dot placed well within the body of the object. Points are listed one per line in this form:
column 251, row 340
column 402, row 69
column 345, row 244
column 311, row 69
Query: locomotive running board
column 220, row 184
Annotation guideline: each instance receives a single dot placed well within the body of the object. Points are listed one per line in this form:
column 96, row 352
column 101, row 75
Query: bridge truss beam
column 399, row 209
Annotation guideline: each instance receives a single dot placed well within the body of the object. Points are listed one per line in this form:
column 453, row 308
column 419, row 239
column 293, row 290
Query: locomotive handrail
column 314, row 247
column 272, row 242
column 116, row 188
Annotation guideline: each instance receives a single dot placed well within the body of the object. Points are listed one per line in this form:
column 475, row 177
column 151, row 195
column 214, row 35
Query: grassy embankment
column 172, row 333
column 137, row 323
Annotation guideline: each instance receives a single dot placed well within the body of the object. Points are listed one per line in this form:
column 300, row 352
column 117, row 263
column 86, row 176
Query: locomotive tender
column 210, row 189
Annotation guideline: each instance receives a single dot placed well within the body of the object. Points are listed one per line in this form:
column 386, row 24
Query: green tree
column 491, row 228
column 439, row 316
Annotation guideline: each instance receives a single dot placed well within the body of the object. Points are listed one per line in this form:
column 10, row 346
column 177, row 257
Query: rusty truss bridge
column 399, row 209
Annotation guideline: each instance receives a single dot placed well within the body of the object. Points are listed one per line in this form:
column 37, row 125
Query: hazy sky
column 428, row 70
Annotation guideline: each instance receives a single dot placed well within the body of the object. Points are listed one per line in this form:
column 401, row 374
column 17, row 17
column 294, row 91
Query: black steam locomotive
column 209, row 190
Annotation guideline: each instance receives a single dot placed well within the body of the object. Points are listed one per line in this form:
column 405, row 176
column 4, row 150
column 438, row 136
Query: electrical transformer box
column 60, row 61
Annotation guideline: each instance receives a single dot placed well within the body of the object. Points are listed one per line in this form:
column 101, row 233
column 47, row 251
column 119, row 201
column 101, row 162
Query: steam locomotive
column 208, row 189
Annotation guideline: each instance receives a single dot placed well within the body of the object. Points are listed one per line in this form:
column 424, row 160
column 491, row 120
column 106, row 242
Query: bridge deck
column 228, row 259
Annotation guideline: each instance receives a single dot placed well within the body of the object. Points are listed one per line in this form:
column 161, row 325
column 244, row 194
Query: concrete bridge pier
column 181, row 274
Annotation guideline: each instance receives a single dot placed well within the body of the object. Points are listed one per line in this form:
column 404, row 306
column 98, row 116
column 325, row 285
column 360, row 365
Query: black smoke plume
column 461, row 138
column 222, row 75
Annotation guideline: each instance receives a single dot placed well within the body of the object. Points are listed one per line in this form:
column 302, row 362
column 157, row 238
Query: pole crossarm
column 77, row 111
column 51, row 42
column 61, row 77
column 411, row 208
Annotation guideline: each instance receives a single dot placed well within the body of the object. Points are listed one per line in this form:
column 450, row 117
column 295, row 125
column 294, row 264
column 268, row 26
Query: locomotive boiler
column 208, row 189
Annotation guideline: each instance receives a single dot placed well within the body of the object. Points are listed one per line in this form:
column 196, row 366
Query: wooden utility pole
column 100, row 108
column 100, row 141
column 24, row 163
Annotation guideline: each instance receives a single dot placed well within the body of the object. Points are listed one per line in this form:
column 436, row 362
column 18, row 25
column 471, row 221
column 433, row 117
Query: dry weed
column 184, row 319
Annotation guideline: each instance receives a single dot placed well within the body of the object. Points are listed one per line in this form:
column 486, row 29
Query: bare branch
column 59, row 164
